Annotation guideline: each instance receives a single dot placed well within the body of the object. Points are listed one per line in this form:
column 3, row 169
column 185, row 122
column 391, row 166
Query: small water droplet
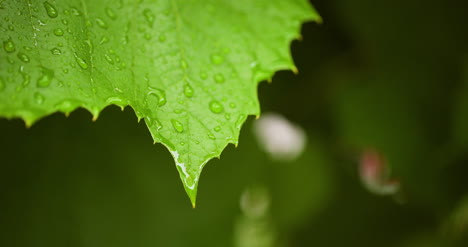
column 162, row 37
column 182, row 143
column 188, row 90
column 111, row 14
column 75, row 12
column 183, row 64
column 60, row 45
column 27, row 48
column 9, row 46
column 178, row 111
column 219, row 78
column 158, row 125
column 50, row 9
column 160, row 94
column 11, row 28
column 58, row 32
column 211, row 136
column 46, row 78
column 56, row 51
column 66, row 12
column 149, row 16
column 217, row 129
column 203, row 75
column 147, row 36
column 39, row 98
column 65, row 106
column 116, row 101
column 81, row 62
column 109, row 59
column 217, row 59
column 101, row 23
column 216, row 107
column 227, row 116
column 23, row 57
column 65, row 22
column 177, row 126
column 232, row 105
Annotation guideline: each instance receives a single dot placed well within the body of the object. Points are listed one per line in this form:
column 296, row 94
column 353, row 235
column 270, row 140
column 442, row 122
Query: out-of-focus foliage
column 390, row 76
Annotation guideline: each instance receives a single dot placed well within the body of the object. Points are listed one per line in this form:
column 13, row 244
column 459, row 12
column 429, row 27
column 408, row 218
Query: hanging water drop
column 160, row 94
column 216, row 107
column 177, row 126
column 188, row 90
column 9, row 46
column 50, row 9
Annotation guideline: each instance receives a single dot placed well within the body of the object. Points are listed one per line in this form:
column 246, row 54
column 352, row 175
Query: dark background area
column 390, row 75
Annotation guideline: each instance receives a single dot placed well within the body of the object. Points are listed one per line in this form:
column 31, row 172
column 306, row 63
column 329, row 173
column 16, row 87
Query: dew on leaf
column 116, row 101
column 217, row 59
column 219, row 78
column 81, row 62
column 211, row 136
column 50, row 9
column 27, row 48
column 160, row 94
column 203, row 75
column 23, row 57
column 109, row 59
column 11, row 28
column 232, row 105
column 162, row 37
column 149, row 16
column 216, row 107
column 65, row 22
column 75, row 12
column 101, row 23
column 46, row 78
column 111, row 14
column 58, row 32
column 227, row 116
column 188, row 90
column 39, row 98
column 56, row 51
column 9, row 46
column 65, row 106
column 147, row 36
column 217, row 129
column 177, row 126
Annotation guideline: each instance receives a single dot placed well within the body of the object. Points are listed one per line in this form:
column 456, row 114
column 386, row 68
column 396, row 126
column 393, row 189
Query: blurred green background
column 390, row 75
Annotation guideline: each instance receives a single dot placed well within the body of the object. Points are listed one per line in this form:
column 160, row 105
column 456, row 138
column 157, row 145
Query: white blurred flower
column 279, row 137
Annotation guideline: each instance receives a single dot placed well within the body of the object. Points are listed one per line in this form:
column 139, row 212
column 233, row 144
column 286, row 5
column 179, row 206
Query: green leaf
column 189, row 68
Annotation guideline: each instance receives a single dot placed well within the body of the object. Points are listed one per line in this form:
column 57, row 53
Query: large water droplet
column 81, row 62
column 56, row 51
column 23, row 57
column 101, row 23
column 39, row 98
column 9, row 46
column 50, row 9
column 46, row 78
column 217, row 59
column 188, row 90
column 219, row 78
column 111, row 14
column 160, row 94
column 149, row 16
column 216, row 107
column 177, row 126
column 58, row 31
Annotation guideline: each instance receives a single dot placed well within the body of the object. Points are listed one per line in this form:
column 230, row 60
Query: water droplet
column 101, row 23
column 211, row 136
column 158, row 125
column 50, row 9
column 147, row 36
column 177, row 126
column 23, row 57
column 39, row 98
column 162, row 37
column 217, row 59
column 11, row 28
column 188, row 90
column 217, row 129
column 46, row 78
column 27, row 48
column 178, row 111
column 9, row 46
column 109, row 59
column 111, row 14
column 149, row 16
column 182, row 143
column 216, row 107
column 2, row 85
column 111, row 51
column 203, row 75
column 219, row 78
column 160, row 94
column 56, row 51
column 227, row 116
column 183, row 64
column 116, row 101
column 58, row 31
column 81, row 62
column 65, row 106
column 60, row 45
column 65, row 22
column 75, row 12
column 232, row 105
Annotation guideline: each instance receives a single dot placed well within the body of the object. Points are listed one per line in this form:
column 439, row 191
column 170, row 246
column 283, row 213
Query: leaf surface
column 188, row 68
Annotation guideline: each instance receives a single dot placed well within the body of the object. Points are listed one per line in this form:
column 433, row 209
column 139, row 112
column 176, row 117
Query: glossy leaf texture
column 188, row 68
